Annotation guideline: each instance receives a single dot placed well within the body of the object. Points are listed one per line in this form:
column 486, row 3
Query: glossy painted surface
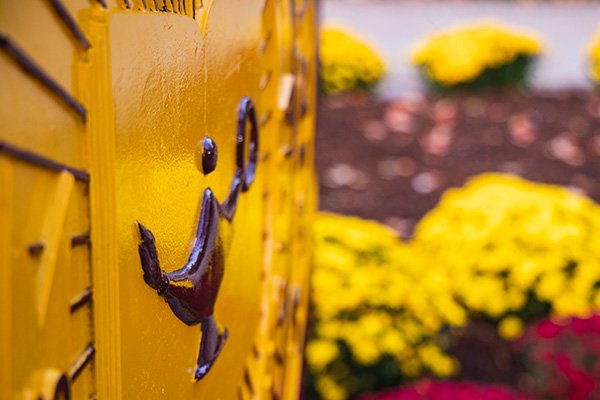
column 192, row 290
column 154, row 84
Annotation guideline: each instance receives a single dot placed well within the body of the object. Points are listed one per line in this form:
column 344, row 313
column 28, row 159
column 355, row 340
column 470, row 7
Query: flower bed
column 513, row 248
column 476, row 56
column 373, row 313
column 500, row 249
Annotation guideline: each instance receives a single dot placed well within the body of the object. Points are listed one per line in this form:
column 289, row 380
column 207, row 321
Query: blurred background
column 458, row 243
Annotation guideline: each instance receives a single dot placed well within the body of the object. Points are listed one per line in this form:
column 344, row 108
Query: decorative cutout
column 165, row 6
column 81, row 239
column 192, row 290
column 37, row 73
column 81, row 300
column 35, row 249
column 42, row 162
column 70, row 23
column 82, row 360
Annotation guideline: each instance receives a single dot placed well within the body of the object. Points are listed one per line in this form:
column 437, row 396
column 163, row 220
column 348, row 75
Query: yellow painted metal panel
column 105, row 129
column 44, row 279
column 6, row 338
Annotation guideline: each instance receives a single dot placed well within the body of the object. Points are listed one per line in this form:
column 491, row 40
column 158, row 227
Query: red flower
column 431, row 390
column 563, row 359
column 547, row 329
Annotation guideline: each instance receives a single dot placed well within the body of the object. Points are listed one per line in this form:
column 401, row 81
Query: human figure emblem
column 192, row 290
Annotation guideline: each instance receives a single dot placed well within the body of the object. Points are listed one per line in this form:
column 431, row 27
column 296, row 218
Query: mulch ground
column 391, row 161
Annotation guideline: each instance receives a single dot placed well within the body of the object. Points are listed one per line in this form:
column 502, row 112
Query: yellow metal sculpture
column 105, row 107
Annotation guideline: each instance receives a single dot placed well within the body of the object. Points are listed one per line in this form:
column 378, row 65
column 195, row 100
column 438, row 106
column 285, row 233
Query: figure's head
column 209, row 157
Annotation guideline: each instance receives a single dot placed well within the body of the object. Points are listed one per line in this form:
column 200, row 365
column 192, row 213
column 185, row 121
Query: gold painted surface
column 6, row 338
column 31, row 115
column 44, row 208
column 154, row 83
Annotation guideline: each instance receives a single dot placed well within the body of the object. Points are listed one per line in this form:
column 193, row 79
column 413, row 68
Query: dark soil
column 391, row 161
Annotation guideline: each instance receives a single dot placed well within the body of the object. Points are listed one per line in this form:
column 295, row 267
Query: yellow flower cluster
column 461, row 55
column 594, row 58
column 500, row 247
column 347, row 62
column 500, row 239
column 372, row 298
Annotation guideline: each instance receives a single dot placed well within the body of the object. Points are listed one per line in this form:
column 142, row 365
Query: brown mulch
column 391, row 161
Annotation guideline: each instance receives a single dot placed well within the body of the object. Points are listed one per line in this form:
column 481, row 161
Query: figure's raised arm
column 228, row 206
column 245, row 172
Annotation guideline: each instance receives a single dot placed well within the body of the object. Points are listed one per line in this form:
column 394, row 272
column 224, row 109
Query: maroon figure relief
column 192, row 290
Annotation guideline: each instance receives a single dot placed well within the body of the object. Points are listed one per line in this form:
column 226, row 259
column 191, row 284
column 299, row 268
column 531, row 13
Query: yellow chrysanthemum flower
column 320, row 353
column 510, row 328
column 461, row 55
column 347, row 62
column 500, row 238
column 372, row 298
column 594, row 58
